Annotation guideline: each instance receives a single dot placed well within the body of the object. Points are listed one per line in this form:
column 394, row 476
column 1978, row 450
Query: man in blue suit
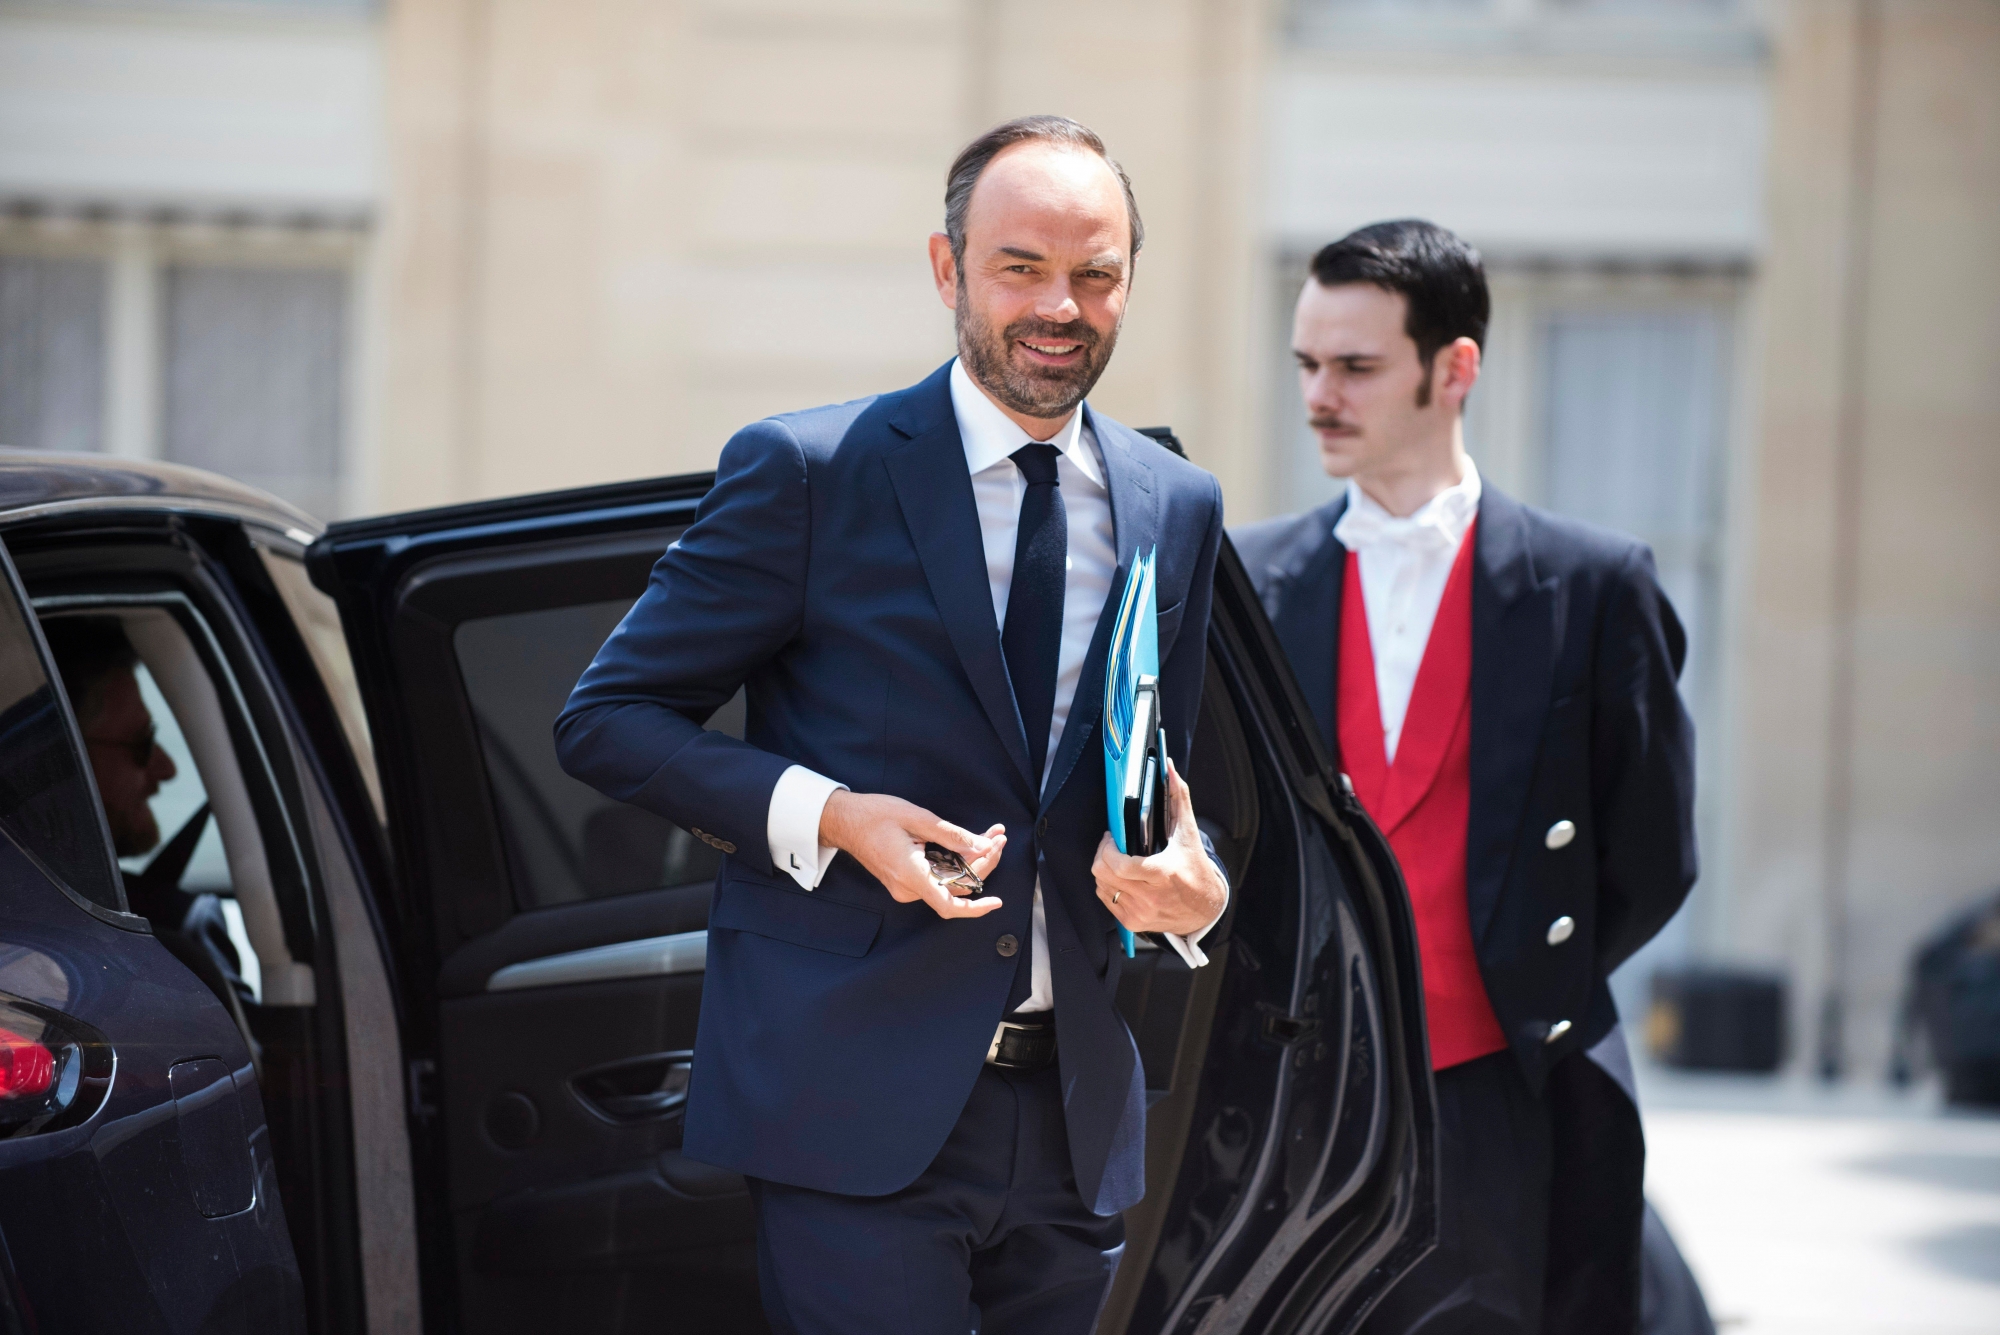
column 939, row 1109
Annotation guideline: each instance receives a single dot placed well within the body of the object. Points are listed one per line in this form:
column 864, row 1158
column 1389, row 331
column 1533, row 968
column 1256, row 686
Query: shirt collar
column 990, row 436
column 1449, row 513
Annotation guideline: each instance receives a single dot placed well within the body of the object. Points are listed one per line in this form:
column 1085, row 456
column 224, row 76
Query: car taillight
column 27, row 1069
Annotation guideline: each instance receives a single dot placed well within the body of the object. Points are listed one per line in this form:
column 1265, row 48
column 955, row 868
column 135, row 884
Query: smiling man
column 923, row 1076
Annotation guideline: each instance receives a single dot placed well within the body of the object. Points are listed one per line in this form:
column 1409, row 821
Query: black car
column 446, row 1092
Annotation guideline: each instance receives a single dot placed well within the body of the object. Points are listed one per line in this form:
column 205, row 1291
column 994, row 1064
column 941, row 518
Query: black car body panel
column 144, row 1196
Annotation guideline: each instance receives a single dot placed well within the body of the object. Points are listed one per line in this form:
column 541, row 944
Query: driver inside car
column 97, row 663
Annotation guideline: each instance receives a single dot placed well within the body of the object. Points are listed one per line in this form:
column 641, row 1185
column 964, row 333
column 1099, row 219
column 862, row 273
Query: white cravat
column 1404, row 566
column 990, row 438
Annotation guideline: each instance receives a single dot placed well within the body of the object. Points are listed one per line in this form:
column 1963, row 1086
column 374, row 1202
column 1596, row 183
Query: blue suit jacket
column 836, row 572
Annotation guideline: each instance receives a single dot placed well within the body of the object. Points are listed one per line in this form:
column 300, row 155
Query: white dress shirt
column 1404, row 566
column 990, row 438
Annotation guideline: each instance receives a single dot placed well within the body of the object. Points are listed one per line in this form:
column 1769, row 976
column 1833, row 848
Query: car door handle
column 638, row 1089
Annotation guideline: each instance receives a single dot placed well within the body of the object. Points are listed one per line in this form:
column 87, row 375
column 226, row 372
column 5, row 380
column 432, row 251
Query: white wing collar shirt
column 990, row 438
column 1404, row 566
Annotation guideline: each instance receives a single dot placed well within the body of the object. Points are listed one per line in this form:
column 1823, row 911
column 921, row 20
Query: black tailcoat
column 1576, row 716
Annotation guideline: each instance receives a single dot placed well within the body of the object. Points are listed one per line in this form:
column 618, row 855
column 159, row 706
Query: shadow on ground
column 1971, row 1251
column 1959, row 1172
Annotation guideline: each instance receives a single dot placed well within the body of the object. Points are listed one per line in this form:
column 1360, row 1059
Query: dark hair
column 971, row 162
column 1441, row 277
column 87, row 650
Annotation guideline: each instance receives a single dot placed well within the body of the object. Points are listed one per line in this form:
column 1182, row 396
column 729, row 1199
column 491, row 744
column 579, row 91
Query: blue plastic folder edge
column 1134, row 652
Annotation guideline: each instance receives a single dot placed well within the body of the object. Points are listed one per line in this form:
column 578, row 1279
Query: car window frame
column 120, row 916
column 288, row 852
column 306, row 604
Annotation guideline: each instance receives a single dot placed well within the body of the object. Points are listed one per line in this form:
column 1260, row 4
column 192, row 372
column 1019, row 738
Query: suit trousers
column 991, row 1239
column 1495, row 1167
column 1523, row 1249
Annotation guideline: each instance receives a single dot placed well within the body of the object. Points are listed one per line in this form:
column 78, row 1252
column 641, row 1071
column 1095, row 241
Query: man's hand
column 887, row 836
column 1178, row 889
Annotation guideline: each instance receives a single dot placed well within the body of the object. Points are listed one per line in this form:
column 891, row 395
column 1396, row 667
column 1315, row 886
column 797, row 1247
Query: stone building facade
column 384, row 256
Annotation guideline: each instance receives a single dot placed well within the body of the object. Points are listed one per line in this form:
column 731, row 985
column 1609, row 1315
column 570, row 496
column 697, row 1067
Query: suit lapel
column 935, row 493
column 1135, row 521
column 1303, row 599
column 1514, row 621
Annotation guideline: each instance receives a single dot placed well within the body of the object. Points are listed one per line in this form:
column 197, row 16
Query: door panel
column 1290, row 1160
column 1289, row 1145
column 563, row 969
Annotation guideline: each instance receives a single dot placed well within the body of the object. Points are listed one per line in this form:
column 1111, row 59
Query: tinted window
column 47, row 804
column 565, row 841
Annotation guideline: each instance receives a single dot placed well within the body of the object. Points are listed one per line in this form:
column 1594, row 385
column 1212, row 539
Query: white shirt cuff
column 1185, row 945
column 792, row 827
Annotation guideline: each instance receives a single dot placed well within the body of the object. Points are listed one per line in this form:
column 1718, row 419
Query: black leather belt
column 1019, row 1046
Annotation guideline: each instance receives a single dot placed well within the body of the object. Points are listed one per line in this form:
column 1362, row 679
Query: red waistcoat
column 1423, row 801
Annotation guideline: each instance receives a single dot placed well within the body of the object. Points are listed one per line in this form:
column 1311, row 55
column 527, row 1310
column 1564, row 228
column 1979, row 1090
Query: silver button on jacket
column 1561, row 930
column 1560, row 834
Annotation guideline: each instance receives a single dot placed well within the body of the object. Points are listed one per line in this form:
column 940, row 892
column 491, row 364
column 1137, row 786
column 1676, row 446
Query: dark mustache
column 1328, row 424
column 1076, row 331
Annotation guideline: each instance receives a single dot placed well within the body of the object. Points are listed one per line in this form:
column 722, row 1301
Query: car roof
column 34, row 484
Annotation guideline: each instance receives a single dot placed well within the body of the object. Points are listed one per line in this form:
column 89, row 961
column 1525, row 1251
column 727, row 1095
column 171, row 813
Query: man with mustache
column 1499, row 684
column 938, row 1108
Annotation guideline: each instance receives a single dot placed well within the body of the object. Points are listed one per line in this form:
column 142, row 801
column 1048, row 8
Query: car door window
column 564, row 840
column 182, row 808
column 48, row 806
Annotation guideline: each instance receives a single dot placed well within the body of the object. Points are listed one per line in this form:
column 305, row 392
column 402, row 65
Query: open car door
column 552, row 946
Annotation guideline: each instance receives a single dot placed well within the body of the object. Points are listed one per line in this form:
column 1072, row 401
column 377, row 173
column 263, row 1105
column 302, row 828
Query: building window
column 1726, row 30
column 1633, row 414
column 51, row 353
column 254, row 374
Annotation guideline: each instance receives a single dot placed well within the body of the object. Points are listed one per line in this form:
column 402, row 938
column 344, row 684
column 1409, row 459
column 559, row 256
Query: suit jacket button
column 725, row 845
column 1560, row 834
column 1042, row 827
column 1556, row 1031
column 1561, row 930
column 1007, row 945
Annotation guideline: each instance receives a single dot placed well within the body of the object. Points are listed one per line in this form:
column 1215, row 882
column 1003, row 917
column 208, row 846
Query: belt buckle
column 1000, row 1032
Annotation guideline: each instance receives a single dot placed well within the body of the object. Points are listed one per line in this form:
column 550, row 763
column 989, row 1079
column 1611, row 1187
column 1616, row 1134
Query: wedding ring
column 1115, row 894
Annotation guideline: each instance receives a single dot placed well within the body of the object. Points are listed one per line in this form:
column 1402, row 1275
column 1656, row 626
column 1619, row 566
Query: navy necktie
column 1032, row 637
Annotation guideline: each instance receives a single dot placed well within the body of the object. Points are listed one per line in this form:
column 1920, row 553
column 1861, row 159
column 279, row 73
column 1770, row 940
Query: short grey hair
column 972, row 160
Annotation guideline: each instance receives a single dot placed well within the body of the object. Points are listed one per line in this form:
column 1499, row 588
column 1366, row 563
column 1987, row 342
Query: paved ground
column 1809, row 1212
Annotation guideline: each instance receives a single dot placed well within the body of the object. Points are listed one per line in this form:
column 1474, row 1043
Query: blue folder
column 1135, row 751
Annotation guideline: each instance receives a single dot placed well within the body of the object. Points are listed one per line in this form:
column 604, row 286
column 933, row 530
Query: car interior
column 238, row 886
